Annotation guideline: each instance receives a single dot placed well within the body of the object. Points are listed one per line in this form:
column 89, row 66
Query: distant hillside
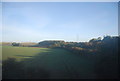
column 6, row 43
column 27, row 43
column 21, row 44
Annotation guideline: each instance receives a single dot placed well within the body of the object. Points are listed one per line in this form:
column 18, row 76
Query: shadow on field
column 106, row 64
column 0, row 72
column 13, row 69
column 61, row 64
column 35, row 67
column 53, row 64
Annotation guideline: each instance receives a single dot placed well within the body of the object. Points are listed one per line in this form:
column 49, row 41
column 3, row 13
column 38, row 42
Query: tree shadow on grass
column 12, row 69
column 45, row 65
column 0, row 70
column 57, row 64
column 107, row 68
column 26, row 68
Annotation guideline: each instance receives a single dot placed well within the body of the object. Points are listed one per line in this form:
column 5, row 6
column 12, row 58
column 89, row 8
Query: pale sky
column 33, row 22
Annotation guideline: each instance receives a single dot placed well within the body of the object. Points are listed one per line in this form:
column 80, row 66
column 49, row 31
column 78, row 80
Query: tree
column 15, row 44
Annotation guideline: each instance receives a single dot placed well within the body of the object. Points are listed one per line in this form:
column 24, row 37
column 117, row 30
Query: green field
column 20, row 52
column 59, row 63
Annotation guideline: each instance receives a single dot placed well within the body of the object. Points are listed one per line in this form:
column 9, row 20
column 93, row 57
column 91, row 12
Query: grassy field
column 20, row 52
column 59, row 63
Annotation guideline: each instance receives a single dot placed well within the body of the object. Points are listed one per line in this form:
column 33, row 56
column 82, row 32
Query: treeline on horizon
column 92, row 45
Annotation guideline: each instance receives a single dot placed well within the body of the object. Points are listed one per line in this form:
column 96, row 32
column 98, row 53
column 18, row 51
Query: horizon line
column 59, row 40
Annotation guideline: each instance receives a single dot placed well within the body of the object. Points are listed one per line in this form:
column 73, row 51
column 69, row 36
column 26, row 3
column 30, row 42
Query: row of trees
column 104, row 48
column 92, row 44
column 15, row 44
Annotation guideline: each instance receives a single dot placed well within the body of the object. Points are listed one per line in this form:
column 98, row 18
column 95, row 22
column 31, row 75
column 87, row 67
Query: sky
column 59, row 0
column 68, row 21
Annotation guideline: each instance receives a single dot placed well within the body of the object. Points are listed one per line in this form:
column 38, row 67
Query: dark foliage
column 15, row 44
column 50, row 44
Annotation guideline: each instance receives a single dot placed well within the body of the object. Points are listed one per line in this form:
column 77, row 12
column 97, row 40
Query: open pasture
column 58, row 63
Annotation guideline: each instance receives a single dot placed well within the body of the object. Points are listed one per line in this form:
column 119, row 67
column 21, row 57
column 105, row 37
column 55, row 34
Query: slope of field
column 58, row 63
column 20, row 52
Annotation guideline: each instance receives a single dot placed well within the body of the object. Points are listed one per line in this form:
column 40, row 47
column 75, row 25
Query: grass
column 20, row 52
column 59, row 63
column 0, row 52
